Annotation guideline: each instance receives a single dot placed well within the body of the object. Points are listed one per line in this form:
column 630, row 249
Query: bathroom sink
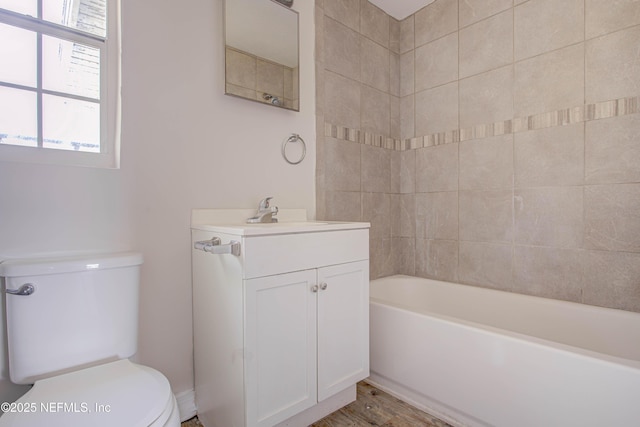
column 283, row 227
column 290, row 221
column 289, row 224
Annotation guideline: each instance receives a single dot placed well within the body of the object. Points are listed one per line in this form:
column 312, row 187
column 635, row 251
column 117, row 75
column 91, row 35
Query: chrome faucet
column 266, row 213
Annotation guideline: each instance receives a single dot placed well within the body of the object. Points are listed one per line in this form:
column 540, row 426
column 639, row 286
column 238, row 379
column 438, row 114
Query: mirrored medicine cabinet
column 261, row 52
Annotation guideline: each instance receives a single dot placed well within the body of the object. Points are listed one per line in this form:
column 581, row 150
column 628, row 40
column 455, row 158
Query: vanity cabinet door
column 280, row 346
column 343, row 327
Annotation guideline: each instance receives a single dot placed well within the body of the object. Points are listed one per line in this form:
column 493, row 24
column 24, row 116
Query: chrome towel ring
column 294, row 138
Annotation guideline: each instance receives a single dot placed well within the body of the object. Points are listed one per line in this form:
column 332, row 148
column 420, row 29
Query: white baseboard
column 188, row 409
column 187, row 404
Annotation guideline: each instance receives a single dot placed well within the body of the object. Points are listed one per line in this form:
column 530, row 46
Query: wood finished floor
column 193, row 422
column 372, row 407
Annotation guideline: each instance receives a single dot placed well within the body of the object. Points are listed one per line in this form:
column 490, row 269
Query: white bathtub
column 480, row 357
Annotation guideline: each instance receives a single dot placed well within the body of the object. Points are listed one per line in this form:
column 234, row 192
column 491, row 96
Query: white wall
column 185, row 145
column 47, row 209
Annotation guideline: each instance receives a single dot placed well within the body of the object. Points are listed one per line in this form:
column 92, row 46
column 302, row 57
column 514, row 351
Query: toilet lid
column 113, row 394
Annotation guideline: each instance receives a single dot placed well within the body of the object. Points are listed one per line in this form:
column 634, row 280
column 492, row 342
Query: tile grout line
column 513, row 154
column 584, row 148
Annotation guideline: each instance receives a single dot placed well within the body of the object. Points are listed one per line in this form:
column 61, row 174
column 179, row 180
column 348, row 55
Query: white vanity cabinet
column 282, row 330
column 307, row 332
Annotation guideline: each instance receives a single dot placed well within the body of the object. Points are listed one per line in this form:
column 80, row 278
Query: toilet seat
column 116, row 393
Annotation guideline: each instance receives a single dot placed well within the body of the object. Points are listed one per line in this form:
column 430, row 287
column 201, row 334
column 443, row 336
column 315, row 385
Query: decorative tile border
column 356, row 135
column 583, row 113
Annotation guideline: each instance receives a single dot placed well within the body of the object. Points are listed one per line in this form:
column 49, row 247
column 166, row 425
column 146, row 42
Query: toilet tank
column 83, row 311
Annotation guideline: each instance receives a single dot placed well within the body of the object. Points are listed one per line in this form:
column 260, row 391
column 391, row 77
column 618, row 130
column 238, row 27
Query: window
column 59, row 81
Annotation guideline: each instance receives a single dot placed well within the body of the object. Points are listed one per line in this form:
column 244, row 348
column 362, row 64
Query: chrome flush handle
column 24, row 290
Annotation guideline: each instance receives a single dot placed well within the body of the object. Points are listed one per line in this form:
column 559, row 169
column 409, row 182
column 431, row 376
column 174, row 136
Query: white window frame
column 110, row 102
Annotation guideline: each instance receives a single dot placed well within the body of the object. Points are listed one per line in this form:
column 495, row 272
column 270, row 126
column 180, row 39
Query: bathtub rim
column 494, row 330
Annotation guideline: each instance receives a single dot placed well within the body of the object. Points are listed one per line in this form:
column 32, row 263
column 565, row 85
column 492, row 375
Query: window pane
column 18, row 118
column 25, row 7
column 85, row 15
column 70, row 67
column 18, row 56
column 69, row 124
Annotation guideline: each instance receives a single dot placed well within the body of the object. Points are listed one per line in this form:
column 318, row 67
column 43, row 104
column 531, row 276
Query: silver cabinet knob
column 323, row 286
column 314, row 288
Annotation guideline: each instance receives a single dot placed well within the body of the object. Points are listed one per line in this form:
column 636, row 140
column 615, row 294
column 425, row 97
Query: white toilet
column 71, row 327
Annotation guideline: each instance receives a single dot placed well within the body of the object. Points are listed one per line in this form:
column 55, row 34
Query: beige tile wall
column 489, row 142
column 358, row 70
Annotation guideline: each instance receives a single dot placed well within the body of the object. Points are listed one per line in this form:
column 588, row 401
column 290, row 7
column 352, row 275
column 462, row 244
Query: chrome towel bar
column 215, row 246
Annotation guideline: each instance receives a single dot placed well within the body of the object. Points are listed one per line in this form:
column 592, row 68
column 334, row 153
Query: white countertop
column 232, row 221
column 281, row 227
